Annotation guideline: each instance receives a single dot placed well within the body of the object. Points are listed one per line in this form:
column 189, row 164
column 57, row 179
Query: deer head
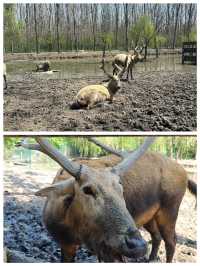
column 90, row 203
column 114, row 83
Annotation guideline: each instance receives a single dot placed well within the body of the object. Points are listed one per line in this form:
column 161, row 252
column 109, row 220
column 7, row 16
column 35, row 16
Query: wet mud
column 153, row 101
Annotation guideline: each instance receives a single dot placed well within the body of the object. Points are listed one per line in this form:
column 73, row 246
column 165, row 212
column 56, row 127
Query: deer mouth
column 134, row 248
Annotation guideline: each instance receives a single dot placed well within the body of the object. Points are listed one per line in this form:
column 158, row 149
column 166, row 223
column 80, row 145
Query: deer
column 89, row 96
column 153, row 187
column 87, row 206
column 128, row 61
column 43, row 66
column 4, row 77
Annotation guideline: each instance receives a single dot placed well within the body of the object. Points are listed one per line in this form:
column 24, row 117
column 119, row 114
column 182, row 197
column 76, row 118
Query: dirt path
column 24, row 231
column 155, row 101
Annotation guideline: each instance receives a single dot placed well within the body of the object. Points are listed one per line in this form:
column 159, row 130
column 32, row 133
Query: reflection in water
column 81, row 68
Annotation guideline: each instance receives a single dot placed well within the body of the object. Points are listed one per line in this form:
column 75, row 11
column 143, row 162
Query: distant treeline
column 66, row 27
column 173, row 146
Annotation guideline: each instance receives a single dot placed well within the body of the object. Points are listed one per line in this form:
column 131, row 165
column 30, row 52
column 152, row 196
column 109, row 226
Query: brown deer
column 86, row 205
column 90, row 95
column 153, row 188
column 128, row 61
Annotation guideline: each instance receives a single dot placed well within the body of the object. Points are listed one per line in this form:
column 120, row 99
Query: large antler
column 107, row 148
column 103, row 63
column 129, row 161
column 45, row 147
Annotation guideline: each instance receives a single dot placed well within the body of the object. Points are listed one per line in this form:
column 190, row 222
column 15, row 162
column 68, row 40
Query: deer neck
column 111, row 88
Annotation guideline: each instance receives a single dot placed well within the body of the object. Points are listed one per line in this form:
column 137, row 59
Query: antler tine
column 45, row 147
column 103, row 64
column 24, row 143
column 130, row 160
column 141, row 49
column 107, row 148
column 122, row 70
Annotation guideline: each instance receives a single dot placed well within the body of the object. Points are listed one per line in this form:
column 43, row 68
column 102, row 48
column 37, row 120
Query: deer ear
column 60, row 188
column 45, row 192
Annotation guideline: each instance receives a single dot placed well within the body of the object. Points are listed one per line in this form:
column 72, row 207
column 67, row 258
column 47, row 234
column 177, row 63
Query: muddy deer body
column 90, row 95
column 153, row 187
column 43, row 66
column 127, row 61
column 4, row 77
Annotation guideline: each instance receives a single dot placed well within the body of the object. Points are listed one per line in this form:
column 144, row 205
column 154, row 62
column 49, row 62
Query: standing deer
column 93, row 94
column 153, row 188
column 128, row 61
column 86, row 205
column 4, row 77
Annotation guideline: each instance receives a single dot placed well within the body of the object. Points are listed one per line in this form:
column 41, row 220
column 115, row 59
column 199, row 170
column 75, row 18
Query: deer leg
column 131, row 70
column 5, row 82
column 128, row 69
column 152, row 228
column 68, row 253
column 166, row 223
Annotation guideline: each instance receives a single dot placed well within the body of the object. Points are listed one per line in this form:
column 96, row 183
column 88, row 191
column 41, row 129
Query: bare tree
column 94, row 22
column 176, row 23
column 116, row 24
column 36, row 33
column 57, row 28
column 126, row 26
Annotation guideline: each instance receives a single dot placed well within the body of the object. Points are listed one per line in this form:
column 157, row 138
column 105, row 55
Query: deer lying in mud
column 90, row 95
column 4, row 77
column 43, row 66
column 128, row 61
column 85, row 203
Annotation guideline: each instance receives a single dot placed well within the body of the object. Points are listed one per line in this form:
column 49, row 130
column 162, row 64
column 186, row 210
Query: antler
column 129, row 161
column 103, row 67
column 142, row 49
column 107, row 148
column 122, row 70
column 45, row 147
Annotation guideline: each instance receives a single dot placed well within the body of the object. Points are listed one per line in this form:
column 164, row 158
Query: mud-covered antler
column 44, row 146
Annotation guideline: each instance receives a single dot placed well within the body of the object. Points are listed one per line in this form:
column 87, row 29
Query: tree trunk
column 176, row 23
column 26, row 22
column 126, row 25
column 116, row 24
column 57, row 28
column 36, row 33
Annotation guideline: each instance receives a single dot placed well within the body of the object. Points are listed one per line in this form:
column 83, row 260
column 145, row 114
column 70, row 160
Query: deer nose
column 134, row 240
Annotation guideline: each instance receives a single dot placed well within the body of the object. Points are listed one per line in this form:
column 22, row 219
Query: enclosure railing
column 189, row 52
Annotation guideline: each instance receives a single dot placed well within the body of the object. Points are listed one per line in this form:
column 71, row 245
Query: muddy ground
column 154, row 101
column 24, row 230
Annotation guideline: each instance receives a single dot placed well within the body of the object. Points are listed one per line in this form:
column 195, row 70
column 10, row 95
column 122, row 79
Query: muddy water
column 80, row 68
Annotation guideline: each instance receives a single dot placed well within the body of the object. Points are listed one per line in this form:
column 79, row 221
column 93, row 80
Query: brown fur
column 130, row 59
column 153, row 191
column 91, row 95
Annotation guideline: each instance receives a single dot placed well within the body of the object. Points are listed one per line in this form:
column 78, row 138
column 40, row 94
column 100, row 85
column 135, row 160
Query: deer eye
column 67, row 201
column 88, row 190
